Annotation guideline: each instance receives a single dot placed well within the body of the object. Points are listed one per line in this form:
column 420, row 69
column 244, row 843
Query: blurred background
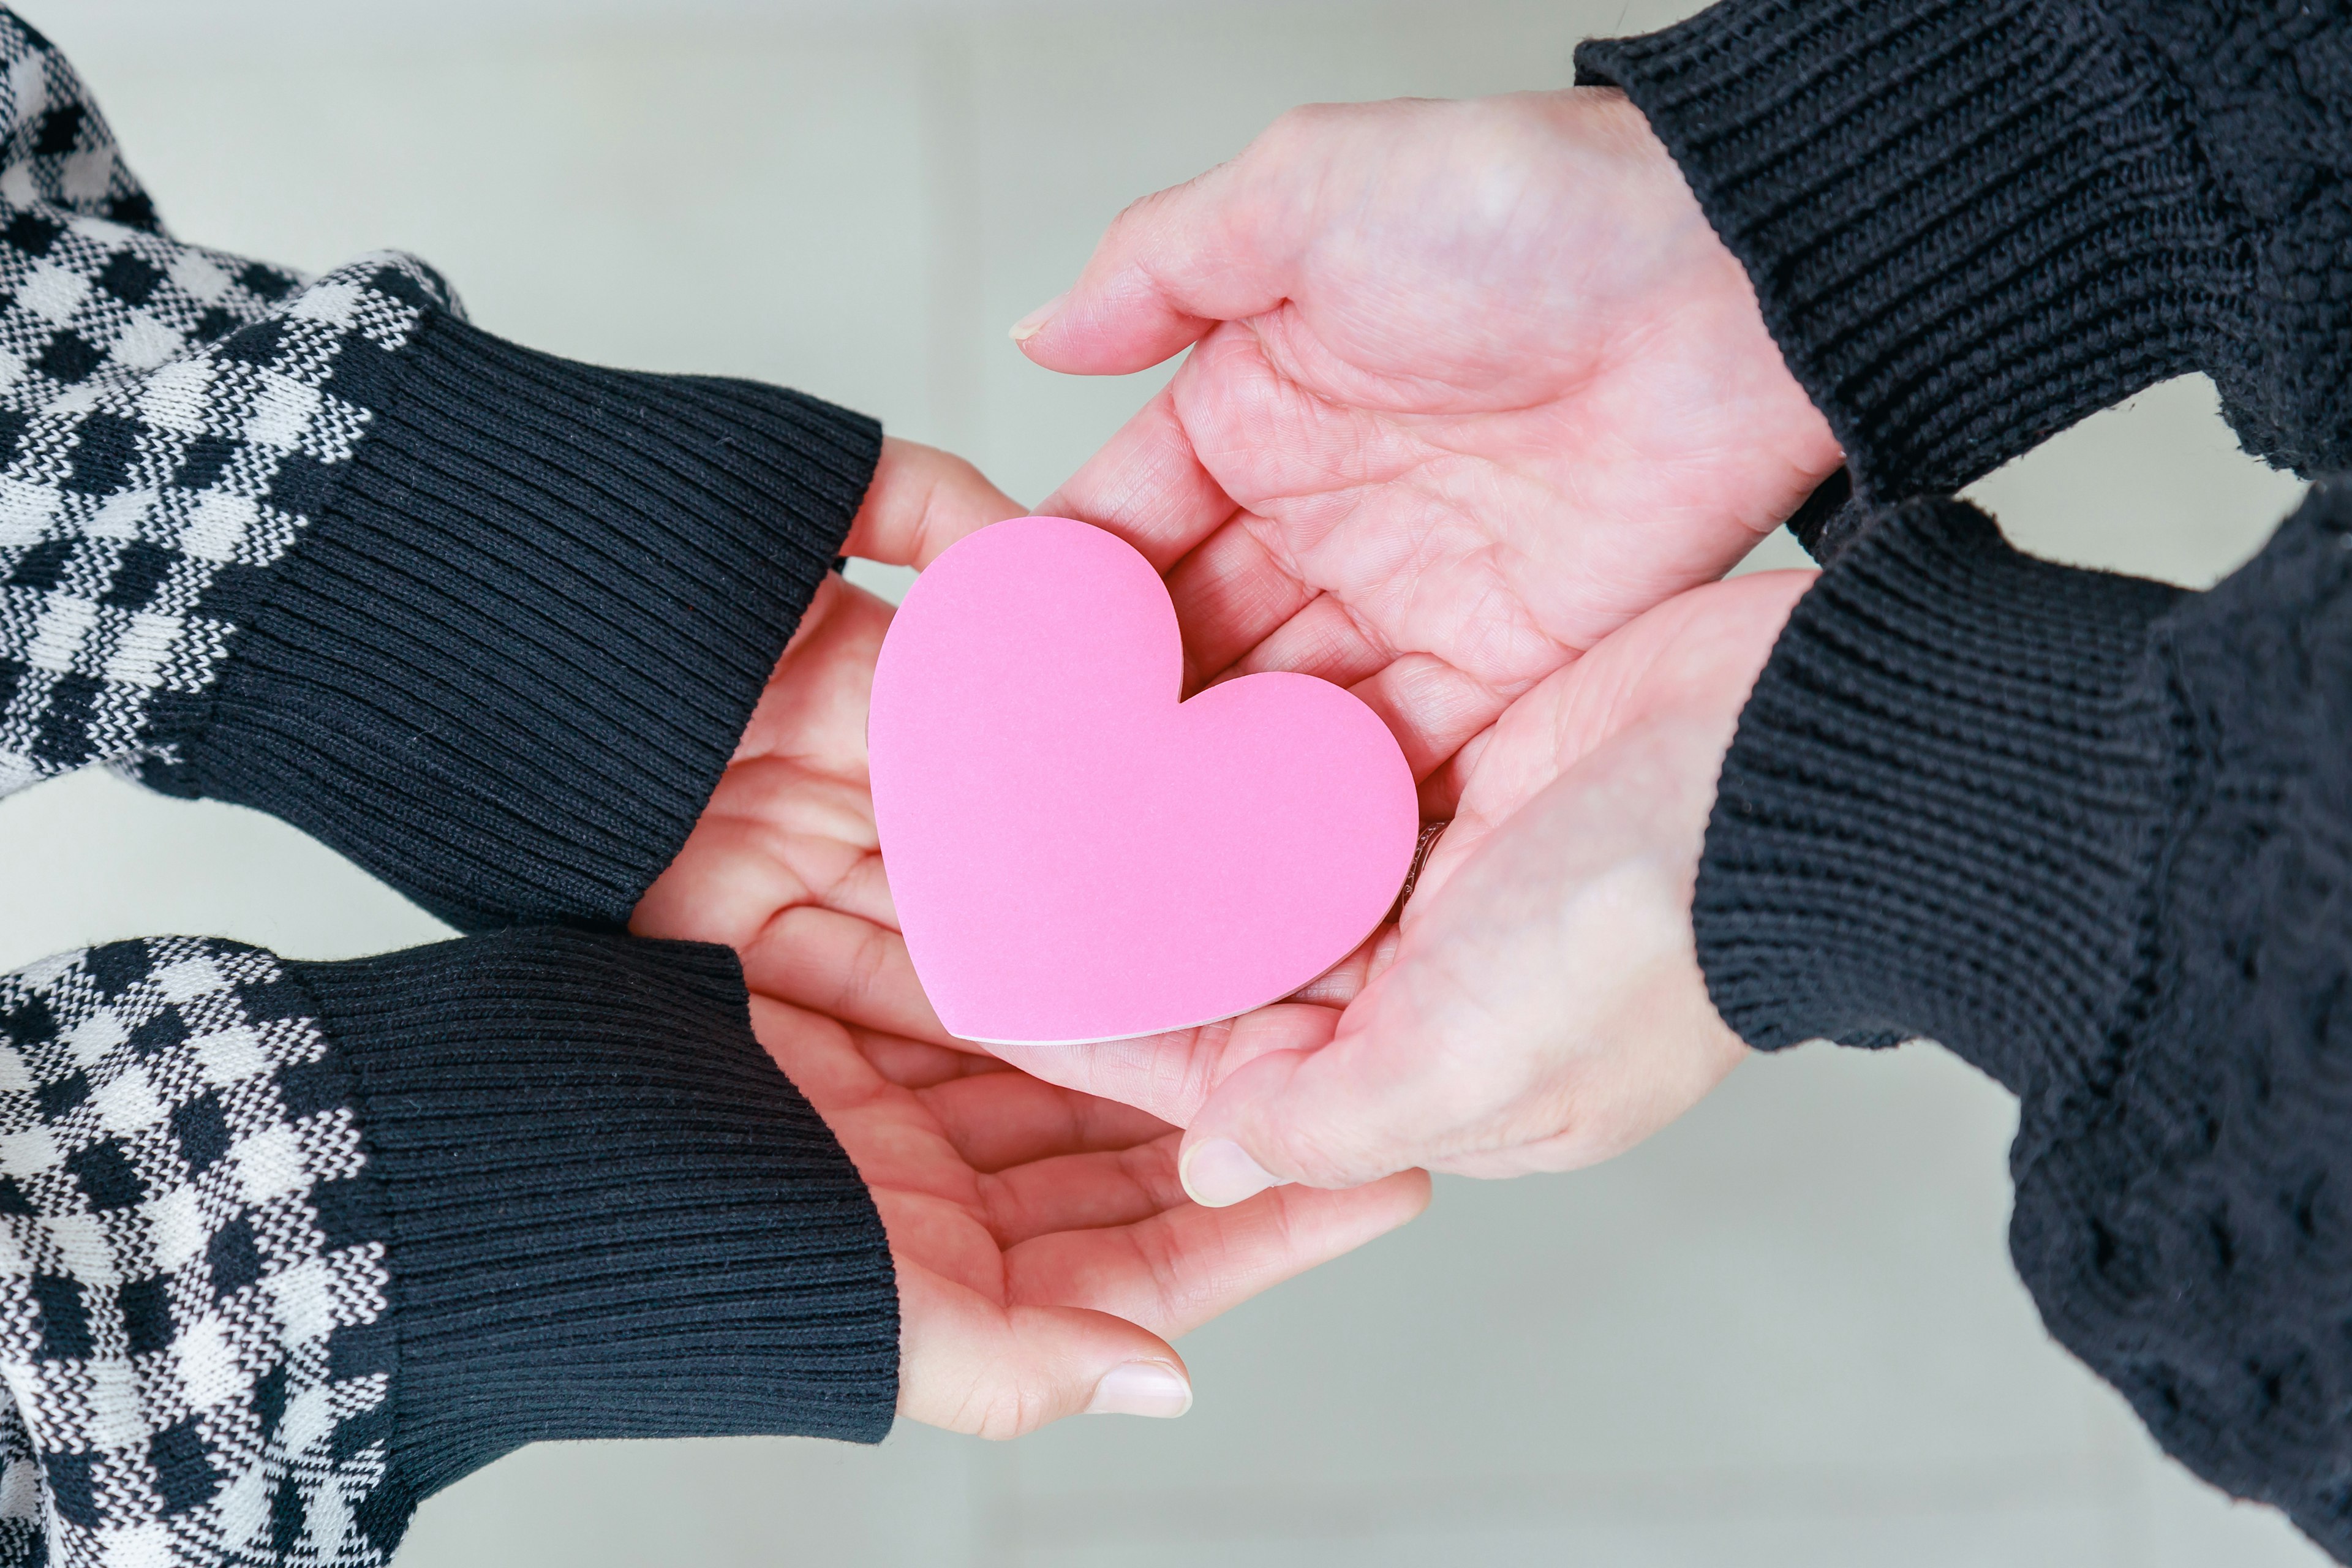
column 1783, row 1333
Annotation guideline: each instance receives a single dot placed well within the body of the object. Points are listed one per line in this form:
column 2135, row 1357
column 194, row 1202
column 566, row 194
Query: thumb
column 1220, row 248
column 919, row 501
column 1349, row 1113
column 971, row 1365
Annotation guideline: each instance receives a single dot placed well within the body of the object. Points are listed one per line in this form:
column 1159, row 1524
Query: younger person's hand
column 1046, row 1251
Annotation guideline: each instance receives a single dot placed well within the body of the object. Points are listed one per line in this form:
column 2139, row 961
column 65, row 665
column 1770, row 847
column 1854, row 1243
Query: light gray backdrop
column 1784, row 1333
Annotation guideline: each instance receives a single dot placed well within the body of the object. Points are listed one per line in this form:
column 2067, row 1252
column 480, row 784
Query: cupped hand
column 1540, row 1005
column 1472, row 385
column 1046, row 1251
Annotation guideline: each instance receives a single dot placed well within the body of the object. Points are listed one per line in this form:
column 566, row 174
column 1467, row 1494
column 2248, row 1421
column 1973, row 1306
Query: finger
column 1083, row 1192
column 1219, row 248
column 1322, row 641
column 1001, row 1120
column 744, row 862
column 971, row 1365
column 1170, row 1075
column 1147, row 485
column 1387, row 1093
column 921, row 500
column 813, row 705
column 1230, row 595
column 1184, row 1266
column 1432, row 708
column 1345, row 981
column 1547, row 1002
column 845, row 968
column 912, row 1064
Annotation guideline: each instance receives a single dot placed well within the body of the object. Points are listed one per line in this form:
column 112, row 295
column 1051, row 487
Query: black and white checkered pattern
column 194, row 1307
column 170, row 418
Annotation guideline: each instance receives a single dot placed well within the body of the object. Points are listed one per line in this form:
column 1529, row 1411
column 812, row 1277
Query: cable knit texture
column 610, row 1214
column 2095, row 834
column 1970, row 223
column 505, row 667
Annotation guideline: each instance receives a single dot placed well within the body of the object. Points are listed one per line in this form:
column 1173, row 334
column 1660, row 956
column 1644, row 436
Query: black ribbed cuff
column 505, row 667
column 1970, row 223
column 1941, row 812
column 610, row 1214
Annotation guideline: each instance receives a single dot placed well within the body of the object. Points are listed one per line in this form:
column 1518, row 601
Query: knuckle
column 1001, row 1411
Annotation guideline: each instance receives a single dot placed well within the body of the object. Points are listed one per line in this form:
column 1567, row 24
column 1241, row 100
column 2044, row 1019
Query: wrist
column 1940, row 811
column 1967, row 227
column 507, row 659
column 608, row 1213
column 1709, row 281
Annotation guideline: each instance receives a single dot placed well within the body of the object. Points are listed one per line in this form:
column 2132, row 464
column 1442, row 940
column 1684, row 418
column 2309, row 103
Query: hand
column 1541, row 1007
column 1472, row 384
column 1044, row 1248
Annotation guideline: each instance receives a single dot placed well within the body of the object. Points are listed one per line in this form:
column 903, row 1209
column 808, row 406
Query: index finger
column 1219, row 248
column 919, row 501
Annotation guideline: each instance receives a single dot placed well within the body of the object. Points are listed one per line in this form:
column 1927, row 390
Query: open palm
column 1044, row 1248
column 1541, row 1005
column 1472, row 385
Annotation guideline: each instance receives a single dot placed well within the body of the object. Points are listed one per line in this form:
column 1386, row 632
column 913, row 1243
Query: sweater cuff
column 1940, row 815
column 1968, row 225
column 610, row 1215
column 507, row 662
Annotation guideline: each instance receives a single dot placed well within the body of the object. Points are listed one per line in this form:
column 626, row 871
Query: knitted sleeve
column 486, row 621
column 1970, row 223
column 2095, row 834
column 285, row 1248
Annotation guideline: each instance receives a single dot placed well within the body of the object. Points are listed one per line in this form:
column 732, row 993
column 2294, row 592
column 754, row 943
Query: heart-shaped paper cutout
column 1075, row 854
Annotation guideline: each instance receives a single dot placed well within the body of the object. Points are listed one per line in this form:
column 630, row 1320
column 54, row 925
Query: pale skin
column 1540, row 1005
column 1475, row 393
column 1471, row 386
column 1044, row 1248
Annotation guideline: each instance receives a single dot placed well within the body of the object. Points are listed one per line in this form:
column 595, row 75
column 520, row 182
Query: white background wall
column 1785, row 1331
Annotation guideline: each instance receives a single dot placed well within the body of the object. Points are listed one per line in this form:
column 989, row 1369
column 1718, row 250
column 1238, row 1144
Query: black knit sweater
column 285, row 1247
column 2091, row 833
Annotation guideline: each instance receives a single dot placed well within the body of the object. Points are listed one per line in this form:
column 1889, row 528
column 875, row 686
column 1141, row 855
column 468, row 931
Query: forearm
column 2095, row 835
column 489, row 622
column 1970, row 225
column 300, row 1243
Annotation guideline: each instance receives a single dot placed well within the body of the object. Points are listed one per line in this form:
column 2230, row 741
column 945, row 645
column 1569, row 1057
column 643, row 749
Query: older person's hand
column 1541, row 1005
column 1472, row 385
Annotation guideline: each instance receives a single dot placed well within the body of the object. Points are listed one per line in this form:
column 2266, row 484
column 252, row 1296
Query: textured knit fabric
column 1970, row 223
column 196, row 1334
column 505, row 667
column 285, row 1248
column 486, row 621
column 708, row 1264
column 2095, row 834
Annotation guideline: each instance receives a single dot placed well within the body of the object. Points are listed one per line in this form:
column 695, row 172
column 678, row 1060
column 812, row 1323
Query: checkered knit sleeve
column 285, row 1248
column 488, row 621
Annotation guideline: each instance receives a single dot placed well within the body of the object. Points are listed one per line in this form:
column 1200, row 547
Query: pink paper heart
column 1075, row 854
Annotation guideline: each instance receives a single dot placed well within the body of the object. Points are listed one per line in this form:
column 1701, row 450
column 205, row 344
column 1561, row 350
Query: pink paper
column 1075, row 854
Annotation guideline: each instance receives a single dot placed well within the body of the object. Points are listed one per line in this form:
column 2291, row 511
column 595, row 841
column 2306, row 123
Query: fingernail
column 1219, row 1173
column 1142, row 1388
column 1030, row 325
